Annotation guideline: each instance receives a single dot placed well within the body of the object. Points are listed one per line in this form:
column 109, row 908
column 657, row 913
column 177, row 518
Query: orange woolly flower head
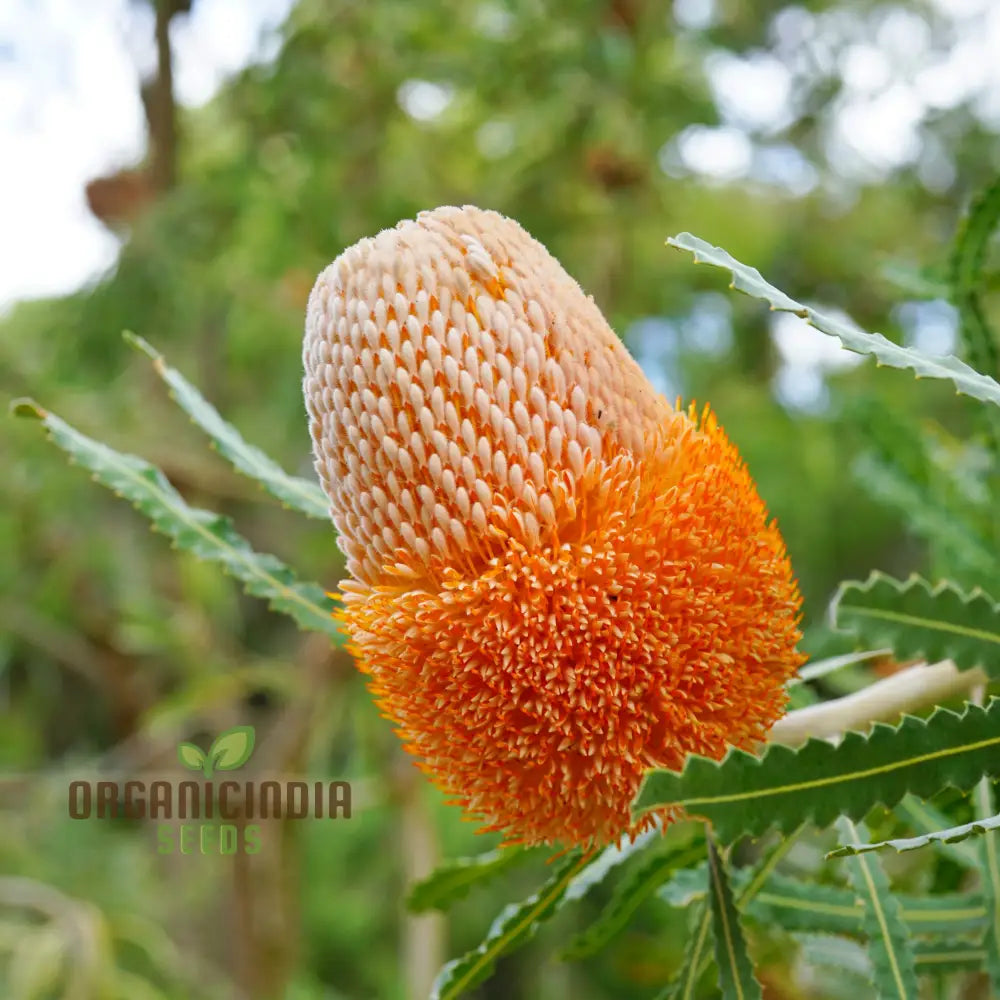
column 558, row 580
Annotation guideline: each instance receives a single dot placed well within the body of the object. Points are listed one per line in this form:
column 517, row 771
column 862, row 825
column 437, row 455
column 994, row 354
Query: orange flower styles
column 557, row 579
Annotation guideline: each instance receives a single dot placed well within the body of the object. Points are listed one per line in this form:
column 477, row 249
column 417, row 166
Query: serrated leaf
column 207, row 535
column 925, row 515
column 697, row 952
column 609, row 859
column 988, row 855
column 299, row 494
column 918, row 620
column 796, row 905
column 453, row 880
column 748, row 280
column 191, row 756
column 893, row 966
column 949, row 835
column 637, row 885
column 969, row 253
column 232, row 749
column 736, row 977
column 925, row 817
column 816, row 782
column 515, row 925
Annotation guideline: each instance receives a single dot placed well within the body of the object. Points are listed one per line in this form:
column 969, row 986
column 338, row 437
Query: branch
column 883, row 701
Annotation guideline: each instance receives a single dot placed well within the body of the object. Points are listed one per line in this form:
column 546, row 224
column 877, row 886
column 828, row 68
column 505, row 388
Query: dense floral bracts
column 558, row 580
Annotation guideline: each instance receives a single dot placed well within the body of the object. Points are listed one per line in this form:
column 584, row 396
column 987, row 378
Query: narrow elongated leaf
column 925, row 817
column 785, row 787
column 950, row 835
column 893, row 966
column 609, row 859
column 299, row 494
column 207, row 535
column 749, row 883
column 736, row 977
column 968, row 256
column 515, row 925
column 795, row 905
column 919, row 620
column 988, row 854
column 697, row 954
column 748, row 280
column 639, row 884
column 453, row 880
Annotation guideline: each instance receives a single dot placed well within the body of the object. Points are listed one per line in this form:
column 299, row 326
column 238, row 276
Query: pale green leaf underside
column 736, row 978
column 207, row 535
column 893, row 965
column 786, row 786
column 950, row 835
column 748, row 280
column 925, row 817
column 920, row 620
column 299, row 494
column 453, row 880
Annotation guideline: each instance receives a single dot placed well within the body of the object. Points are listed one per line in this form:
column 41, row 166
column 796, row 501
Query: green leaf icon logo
column 191, row 756
column 231, row 749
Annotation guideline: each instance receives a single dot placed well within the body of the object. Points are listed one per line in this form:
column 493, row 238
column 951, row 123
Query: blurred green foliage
column 565, row 116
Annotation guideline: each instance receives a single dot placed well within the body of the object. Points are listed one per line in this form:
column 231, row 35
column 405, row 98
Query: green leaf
column 934, row 958
column 299, row 494
column 736, row 976
column 639, row 884
column 796, row 905
column 949, row 835
column 919, row 620
column 893, row 965
column 207, row 535
column 925, row 817
column 453, row 880
column 786, row 786
column 191, row 756
column 969, row 253
column 750, row 883
column 748, row 280
column 938, row 958
column 696, row 956
column 232, row 748
column 925, row 515
column 515, row 926
column 990, row 862
column 609, row 859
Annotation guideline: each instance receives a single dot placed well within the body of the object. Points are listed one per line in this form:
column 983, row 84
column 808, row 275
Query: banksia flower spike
column 557, row 579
